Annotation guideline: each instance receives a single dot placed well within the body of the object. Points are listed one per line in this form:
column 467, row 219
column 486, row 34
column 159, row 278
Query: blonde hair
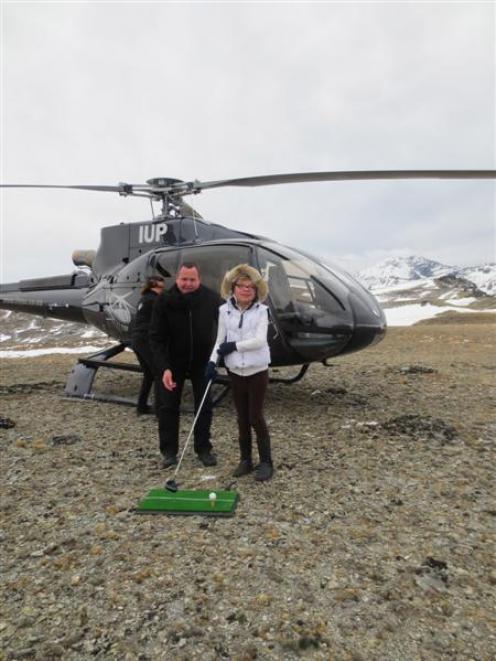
column 244, row 271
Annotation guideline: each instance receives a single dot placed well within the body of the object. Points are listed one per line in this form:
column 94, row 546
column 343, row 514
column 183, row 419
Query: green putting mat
column 188, row 502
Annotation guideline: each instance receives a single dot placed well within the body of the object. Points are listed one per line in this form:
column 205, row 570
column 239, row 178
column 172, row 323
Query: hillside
column 372, row 541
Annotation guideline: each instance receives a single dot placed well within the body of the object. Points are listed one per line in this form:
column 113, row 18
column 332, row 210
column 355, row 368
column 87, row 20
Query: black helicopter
column 318, row 311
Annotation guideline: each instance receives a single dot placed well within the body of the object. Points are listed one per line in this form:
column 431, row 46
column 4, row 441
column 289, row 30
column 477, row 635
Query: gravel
column 374, row 540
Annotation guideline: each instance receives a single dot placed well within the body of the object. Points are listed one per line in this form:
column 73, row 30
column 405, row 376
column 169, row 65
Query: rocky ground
column 374, row 540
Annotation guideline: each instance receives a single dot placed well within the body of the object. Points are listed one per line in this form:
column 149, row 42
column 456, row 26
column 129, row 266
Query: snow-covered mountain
column 395, row 271
column 483, row 276
column 19, row 331
column 412, row 289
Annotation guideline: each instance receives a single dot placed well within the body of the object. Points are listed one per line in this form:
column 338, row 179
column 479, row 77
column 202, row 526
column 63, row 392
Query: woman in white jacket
column 242, row 342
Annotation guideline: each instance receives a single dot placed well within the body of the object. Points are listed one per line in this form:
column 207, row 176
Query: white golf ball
column 212, row 495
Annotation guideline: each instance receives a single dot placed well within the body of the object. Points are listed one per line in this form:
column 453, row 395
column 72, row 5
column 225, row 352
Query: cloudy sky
column 98, row 93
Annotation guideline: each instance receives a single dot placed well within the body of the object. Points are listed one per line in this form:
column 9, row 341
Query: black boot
column 264, row 470
column 245, row 466
column 144, row 410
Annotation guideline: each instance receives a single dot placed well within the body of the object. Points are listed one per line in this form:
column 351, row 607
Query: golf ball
column 212, row 495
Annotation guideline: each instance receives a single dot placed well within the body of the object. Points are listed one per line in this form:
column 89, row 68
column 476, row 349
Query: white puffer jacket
column 248, row 328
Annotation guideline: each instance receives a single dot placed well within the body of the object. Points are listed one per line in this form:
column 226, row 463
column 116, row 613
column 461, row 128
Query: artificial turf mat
column 188, row 502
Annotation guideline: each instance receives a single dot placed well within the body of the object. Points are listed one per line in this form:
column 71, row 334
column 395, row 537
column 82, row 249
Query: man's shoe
column 169, row 460
column 263, row 471
column 207, row 458
column 245, row 467
column 144, row 410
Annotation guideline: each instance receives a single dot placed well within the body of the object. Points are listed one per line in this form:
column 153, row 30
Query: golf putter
column 171, row 484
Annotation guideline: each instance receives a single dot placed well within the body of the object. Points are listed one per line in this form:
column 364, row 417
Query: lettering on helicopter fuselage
column 151, row 233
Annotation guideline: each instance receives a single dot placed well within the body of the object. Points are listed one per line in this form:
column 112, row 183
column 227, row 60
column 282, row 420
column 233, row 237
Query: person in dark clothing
column 182, row 333
column 140, row 344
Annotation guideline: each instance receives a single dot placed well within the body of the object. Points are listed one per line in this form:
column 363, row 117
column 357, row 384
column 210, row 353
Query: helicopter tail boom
column 58, row 297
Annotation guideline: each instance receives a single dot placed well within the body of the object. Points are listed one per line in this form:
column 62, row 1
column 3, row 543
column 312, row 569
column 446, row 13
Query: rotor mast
column 166, row 190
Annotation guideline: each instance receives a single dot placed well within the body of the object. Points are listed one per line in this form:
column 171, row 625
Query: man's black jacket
column 183, row 328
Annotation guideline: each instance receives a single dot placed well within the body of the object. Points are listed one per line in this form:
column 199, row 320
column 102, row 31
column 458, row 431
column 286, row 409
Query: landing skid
column 293, row 379
column 223, row 380
column 80, row 381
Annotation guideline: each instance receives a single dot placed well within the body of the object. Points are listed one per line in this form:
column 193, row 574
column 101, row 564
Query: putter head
column 171, row 485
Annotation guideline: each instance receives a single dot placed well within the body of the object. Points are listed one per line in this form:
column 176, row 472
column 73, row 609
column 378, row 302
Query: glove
column 226, row 348
column 211, row 371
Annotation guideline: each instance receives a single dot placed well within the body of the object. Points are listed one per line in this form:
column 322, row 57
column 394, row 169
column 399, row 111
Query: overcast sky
column 98, row 93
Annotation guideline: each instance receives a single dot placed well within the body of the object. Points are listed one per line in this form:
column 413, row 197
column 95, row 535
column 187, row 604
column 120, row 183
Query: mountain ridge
column 415, row 289
column 394, row 271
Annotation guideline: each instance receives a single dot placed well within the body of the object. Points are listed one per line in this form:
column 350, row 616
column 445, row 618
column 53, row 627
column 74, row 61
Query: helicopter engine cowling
column 83, row 257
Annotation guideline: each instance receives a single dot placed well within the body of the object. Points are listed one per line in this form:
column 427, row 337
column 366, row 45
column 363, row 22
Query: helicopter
column 317, row 310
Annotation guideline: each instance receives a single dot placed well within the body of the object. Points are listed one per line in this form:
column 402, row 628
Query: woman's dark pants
column 249, row 394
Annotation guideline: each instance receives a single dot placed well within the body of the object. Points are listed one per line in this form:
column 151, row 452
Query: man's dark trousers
column 168, row 414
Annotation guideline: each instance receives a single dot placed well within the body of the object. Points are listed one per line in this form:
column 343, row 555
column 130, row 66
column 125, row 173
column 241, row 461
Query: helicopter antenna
column 195, row 226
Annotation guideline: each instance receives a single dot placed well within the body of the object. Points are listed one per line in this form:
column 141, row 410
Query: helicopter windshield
column 214, row 261
column 306, row 296
column 316, row 311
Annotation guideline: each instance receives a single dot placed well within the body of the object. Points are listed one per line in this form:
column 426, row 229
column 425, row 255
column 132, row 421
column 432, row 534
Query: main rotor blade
column 176, row 187
column 110, row 189
column 353, row 175
column 143, row 190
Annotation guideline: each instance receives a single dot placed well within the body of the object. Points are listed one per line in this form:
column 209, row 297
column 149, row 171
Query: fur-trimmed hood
column 244, row 271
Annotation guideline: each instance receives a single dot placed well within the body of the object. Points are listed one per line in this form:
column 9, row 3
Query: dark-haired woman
column 152, row 288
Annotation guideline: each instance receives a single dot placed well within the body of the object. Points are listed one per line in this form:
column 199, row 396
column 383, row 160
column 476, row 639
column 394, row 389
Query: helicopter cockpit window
column 214, row 261
column 303, row 301
column 165, row 263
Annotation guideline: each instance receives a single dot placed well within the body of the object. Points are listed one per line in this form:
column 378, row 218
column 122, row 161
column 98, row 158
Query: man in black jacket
column 182, row 333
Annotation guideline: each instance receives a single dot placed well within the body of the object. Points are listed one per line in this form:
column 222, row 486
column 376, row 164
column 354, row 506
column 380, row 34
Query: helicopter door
column 315, row 322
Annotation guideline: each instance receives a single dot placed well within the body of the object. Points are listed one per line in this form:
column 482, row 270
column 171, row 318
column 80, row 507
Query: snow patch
column 464, row 301
column 407, row 315
column 31, row 353
column 403, row 286
column 92, row 333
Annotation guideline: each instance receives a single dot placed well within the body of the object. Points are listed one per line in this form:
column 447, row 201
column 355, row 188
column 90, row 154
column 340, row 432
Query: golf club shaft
column 192, row 428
